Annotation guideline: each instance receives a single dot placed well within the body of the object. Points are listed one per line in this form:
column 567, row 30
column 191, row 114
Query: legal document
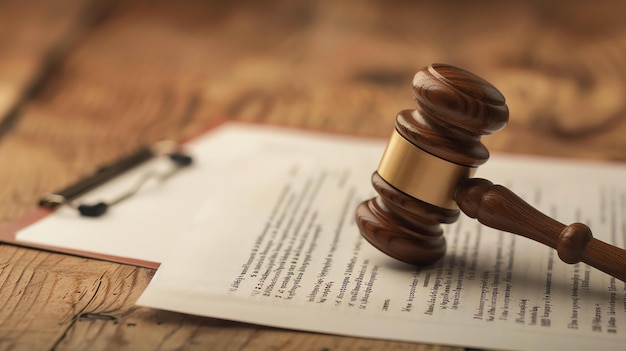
column 274, row 242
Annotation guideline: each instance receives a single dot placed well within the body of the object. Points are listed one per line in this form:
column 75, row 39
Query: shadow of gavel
column 424, row 178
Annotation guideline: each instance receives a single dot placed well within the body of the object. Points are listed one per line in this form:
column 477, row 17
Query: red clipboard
column 9, row 232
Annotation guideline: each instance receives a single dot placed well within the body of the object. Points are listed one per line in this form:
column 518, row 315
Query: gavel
column 425, row 177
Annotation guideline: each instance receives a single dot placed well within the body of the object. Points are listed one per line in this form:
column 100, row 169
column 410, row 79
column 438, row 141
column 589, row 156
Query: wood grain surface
column 85, row 82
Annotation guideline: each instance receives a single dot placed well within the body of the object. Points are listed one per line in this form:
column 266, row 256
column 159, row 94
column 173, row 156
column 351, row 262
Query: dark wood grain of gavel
column 425, row 177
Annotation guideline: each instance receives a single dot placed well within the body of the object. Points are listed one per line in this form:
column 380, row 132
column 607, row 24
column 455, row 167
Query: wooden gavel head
column 432, row 149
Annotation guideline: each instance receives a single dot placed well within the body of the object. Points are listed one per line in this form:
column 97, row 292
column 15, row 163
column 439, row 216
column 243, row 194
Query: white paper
column 276, row 244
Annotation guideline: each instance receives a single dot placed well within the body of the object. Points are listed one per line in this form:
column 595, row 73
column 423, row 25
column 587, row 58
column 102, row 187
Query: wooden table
column 85, row 82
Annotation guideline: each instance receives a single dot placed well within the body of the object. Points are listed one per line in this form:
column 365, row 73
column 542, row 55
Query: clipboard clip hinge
column 66, row 196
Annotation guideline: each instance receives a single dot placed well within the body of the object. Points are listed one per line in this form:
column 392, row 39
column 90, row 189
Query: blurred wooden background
column 84, row 82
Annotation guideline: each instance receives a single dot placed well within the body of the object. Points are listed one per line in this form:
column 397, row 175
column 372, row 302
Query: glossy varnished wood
column 454, row 109
column 403, row 227
column 129, row 72
column 497, row 207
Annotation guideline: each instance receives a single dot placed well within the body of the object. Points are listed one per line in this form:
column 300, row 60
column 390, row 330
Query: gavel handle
column 497, row 207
